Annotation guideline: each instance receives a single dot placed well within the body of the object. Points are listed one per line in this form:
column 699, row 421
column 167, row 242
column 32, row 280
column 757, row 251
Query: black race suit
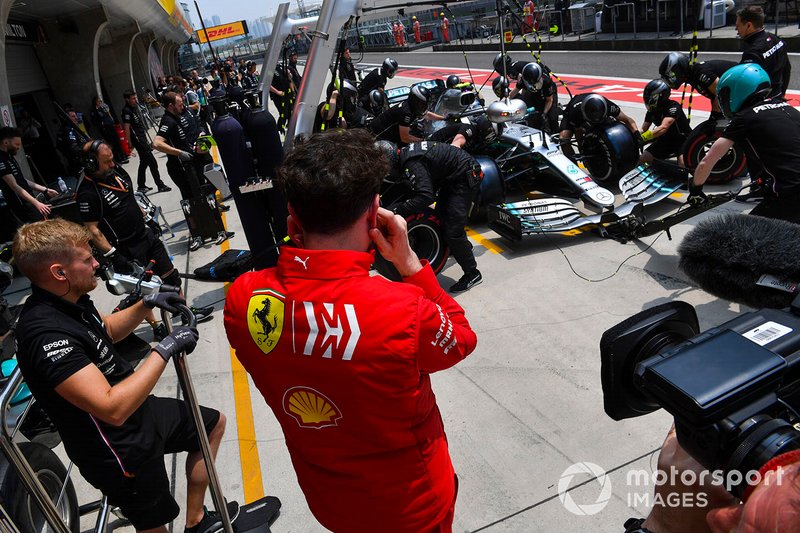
column 373, row 80
column 770, row 134
column 669, row 144
column 703, row 75
column 386, row 126
column 547, row 122
column 451, row 177
column 573, row 118
column 449, row 132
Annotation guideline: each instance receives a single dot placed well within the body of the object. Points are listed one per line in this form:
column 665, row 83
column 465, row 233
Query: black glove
column 185, row 156
column 182, row 339
column 716, row 116
column 164, row 300
column 451, row 117
column 127, row 302
column 696, row 195
column 121, row 263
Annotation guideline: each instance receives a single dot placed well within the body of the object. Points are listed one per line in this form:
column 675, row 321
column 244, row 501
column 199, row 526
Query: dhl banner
column 223, row 31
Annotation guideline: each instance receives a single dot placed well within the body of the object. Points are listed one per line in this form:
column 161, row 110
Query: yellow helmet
column 441, row 14
column 414, row 17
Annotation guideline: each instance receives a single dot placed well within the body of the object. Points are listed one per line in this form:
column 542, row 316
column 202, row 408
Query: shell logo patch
column 265, row 318
column 310, row 408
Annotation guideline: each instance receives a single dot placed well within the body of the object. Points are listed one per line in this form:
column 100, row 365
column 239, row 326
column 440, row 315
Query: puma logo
column 302, row 261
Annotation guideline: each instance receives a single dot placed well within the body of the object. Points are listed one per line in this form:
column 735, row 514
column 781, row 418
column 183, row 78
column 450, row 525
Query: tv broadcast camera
column 733, row 390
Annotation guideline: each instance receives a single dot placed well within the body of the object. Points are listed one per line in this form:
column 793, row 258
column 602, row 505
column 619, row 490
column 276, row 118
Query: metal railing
column 631, row 11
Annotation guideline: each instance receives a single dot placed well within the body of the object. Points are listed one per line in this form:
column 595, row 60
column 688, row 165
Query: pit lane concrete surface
column 519, row 413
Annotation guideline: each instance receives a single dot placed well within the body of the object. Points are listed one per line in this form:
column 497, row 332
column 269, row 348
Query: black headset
column 89, row 158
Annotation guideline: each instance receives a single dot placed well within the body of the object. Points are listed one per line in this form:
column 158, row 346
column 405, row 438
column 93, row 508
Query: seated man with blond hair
column 112, row 428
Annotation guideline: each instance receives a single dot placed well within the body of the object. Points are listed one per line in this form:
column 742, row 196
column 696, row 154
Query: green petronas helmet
column 740, row 86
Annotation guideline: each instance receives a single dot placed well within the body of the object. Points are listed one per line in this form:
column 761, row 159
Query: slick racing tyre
column 492, row 190
column 50, row 471
column 427, row 240
column 698, row 143
column 609, row 151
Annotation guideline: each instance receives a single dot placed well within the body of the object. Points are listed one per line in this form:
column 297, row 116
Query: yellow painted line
column 252, row 481
column 483, row 241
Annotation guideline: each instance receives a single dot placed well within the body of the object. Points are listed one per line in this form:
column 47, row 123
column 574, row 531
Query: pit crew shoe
column 164, row 188
column 211, row 522
column 195, row 243
column 144, row 189
column 223, row 236
column 467, row 281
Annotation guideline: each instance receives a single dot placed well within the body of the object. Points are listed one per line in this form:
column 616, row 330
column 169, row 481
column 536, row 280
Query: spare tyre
column 609, row 151
column 426, row 236
column 698, row 143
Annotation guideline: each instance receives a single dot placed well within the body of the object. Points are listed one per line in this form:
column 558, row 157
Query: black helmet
column 532, row 77
column 500, row 86
column 656, row 93
column 498, row 62
column 389, row 150
column 594, row 108
column 485, row 129
column 418, row 100
column 377, row 100
column 674, row 69
column 452, row 81
column 389, row 67
column 392, row 155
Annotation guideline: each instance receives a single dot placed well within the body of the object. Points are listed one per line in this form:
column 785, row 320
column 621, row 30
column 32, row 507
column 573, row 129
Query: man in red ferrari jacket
column 344, row 358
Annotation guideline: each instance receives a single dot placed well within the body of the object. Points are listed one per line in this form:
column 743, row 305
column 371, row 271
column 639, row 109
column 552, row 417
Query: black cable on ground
column 619, row 267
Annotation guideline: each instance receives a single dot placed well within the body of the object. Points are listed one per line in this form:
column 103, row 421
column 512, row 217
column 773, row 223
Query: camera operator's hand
column 771, row 507
column 665, row 518
column 696, row 195
column 185, row 156
column 390, row 236
column 164, row 300
column 182, row 339
column 121, row 263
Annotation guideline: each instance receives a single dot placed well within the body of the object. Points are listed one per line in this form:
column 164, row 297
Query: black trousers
column 147, row 160
column 452, row 206
column 189, row 176
column 779, row 207
column 284, row 106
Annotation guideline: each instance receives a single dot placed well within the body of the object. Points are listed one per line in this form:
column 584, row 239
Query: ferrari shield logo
column 265, row 318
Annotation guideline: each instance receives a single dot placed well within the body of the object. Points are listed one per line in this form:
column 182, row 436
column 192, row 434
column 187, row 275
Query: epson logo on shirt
column 56, row 344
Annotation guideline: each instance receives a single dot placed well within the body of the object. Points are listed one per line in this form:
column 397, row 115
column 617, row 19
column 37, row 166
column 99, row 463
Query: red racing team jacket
column 344, row 360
